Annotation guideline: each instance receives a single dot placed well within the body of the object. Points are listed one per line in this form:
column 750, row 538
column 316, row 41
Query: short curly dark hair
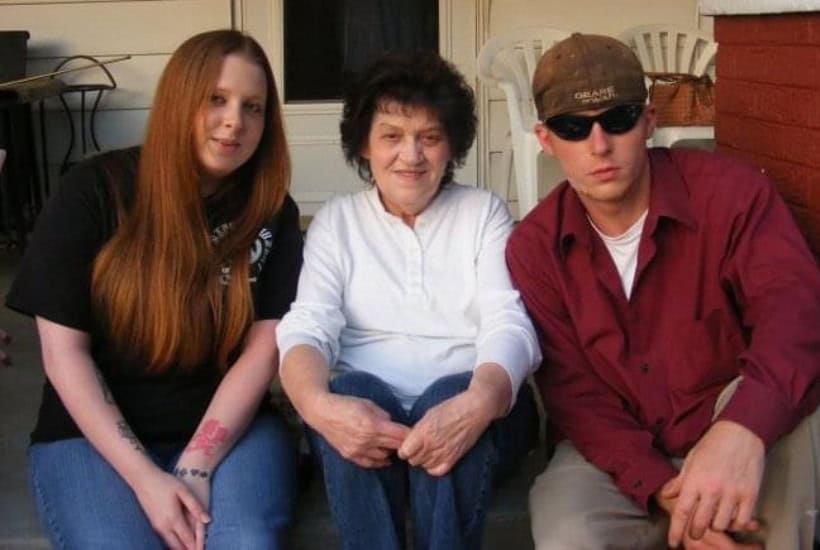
column 413, row 79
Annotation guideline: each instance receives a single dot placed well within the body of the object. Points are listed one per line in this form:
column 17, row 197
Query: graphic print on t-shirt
column 259, row 252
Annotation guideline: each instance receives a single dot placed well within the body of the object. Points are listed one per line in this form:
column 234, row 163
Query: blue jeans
column 83, row 503
column 447, row 512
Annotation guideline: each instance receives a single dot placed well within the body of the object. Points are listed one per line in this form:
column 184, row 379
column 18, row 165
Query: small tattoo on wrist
column 191, row 472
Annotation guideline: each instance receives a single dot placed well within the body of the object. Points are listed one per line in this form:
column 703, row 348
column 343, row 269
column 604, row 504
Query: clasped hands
column 363, row 433
column 176, row 506
column 716, row 491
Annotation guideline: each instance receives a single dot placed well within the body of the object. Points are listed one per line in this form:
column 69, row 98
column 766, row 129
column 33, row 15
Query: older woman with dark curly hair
column 407, row 346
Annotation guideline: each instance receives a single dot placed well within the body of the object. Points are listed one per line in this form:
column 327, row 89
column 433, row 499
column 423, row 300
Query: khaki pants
column 575, row 506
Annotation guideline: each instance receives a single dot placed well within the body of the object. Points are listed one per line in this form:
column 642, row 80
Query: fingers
column 411, row 446
column 198, row 529
column 363, row 433
column 173, row 541
column 421, row 452
column 679, row 520
column 723, row 518
column 744, row 518
column 199, row 534
column 192, row 505
column 366, row 462
column 178, row 536
column 419, row 449
column 440, row 469
column 702, row 516
column 391, row 435
column 672, row 487
column 712, row 540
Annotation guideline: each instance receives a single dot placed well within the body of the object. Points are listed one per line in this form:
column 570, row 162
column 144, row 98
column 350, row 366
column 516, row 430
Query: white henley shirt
column 411, row 304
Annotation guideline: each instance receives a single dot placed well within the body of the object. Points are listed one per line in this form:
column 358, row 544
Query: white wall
column 148, row 30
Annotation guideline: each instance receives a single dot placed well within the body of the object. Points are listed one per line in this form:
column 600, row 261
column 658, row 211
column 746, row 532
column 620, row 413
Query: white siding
column 148, row 30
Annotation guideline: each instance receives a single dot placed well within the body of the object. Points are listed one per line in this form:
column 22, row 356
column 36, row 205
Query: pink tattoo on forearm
column 209, row 437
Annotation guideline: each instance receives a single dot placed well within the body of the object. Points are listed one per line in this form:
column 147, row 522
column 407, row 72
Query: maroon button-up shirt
column 725, row 286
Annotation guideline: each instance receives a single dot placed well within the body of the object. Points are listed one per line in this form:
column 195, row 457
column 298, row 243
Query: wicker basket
column 682, row 99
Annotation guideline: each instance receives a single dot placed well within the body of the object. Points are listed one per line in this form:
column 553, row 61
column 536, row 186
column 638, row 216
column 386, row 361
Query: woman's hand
column 198, row 481
column 359, row 430
column 452, row 427
column 446, row 433
column 173, row 510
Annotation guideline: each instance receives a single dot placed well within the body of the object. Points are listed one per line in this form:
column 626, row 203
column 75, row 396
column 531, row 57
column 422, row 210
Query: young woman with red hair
column 157, row 276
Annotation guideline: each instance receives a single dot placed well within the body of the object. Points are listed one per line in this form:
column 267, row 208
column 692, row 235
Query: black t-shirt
column 54, row 283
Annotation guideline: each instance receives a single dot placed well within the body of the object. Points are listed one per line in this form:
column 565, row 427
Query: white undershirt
column 624, row 251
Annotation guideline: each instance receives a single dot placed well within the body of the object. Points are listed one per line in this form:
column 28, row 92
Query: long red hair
column 156, row 282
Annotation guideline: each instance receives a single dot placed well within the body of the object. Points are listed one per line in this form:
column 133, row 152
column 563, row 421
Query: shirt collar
column 668, row 198
column 430, row 212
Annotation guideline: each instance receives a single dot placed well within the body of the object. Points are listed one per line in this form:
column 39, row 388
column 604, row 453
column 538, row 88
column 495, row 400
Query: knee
column 355, row 383
column 367, row 386
column 555, row 531
column 442, row 389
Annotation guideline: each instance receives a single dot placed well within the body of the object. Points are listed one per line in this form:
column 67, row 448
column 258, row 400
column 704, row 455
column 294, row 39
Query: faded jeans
column 84, row 504
column 447, row 512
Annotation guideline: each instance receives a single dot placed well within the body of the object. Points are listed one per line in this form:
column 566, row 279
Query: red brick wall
column 768, row 104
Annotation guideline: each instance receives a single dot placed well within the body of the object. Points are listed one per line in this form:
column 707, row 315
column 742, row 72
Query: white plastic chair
column 508, row 61
column 671, row 49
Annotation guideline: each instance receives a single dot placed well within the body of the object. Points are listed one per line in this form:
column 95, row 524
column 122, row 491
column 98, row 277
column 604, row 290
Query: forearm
column 82, row 389
column 235, row 402
column 774, row 276
column 305, row 379
column 492, row 389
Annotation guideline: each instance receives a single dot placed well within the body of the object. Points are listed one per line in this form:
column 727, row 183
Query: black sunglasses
column 617, row 120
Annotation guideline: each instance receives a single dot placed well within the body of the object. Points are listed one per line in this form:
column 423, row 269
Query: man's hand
column 359, row 430
column 445, row 433
column 718, row 486
column 711, row 540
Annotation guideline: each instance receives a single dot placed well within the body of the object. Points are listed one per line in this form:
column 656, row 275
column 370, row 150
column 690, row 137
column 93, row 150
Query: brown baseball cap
column 586, row 71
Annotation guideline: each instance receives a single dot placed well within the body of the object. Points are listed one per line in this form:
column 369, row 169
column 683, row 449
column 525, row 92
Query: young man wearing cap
column 679, row 313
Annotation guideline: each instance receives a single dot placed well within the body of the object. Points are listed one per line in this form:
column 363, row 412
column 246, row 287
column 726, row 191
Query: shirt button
column 637, row 485
column 644, row 368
